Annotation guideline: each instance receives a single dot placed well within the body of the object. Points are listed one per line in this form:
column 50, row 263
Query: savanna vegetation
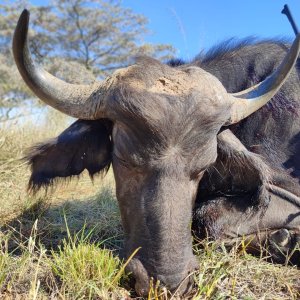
column 65, row 244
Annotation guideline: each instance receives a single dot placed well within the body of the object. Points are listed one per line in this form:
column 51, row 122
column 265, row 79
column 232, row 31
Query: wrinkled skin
column 254, row 185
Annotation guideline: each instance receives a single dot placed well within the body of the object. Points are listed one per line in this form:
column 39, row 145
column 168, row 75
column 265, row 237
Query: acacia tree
column 103, row 35
column 76, row 40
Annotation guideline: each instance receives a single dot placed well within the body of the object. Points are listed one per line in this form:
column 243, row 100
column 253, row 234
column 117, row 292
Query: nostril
column 141, row 276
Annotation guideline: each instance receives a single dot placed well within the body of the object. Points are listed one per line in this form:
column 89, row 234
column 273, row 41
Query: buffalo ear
column 237, row 171
column 83, row 145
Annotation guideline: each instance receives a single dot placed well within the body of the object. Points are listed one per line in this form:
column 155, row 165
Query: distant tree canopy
column 76, row 40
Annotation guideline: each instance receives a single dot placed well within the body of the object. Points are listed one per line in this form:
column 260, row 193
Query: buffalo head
column 162, row 137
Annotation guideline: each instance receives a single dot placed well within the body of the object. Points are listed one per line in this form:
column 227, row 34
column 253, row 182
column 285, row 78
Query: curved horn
column 250, row 100
column 79, row 101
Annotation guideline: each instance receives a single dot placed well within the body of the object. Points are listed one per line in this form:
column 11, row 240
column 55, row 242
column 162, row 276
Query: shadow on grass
column 97, row 216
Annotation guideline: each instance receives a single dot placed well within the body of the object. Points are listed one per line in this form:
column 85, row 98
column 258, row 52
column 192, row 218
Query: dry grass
column 64, row 245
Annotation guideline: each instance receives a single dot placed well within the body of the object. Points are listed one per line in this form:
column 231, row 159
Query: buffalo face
column 162, row 144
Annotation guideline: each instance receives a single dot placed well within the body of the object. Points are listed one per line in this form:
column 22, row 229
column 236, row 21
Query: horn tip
column 21, row 30
column 24, row 18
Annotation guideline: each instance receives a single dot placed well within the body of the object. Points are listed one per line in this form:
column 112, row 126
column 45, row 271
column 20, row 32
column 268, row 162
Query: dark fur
column 240, row 64
column 273, row 131
column 236, row 172
column 84, row 145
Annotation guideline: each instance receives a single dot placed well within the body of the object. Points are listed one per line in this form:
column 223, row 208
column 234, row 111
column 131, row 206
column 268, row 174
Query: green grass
column 78, row 269
column 84, row 270
column 65, row 245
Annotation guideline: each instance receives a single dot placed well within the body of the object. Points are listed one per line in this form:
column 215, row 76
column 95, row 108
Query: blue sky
column 193, row 25
column 196, row 24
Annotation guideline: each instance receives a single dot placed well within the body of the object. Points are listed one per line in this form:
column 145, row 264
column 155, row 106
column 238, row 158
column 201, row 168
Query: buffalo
column 214, row 143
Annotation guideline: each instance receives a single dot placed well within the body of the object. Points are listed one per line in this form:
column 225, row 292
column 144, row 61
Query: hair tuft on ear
column 83, row 145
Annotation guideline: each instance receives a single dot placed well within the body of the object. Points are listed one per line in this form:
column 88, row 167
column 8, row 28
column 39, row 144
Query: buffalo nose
column 180, row 283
